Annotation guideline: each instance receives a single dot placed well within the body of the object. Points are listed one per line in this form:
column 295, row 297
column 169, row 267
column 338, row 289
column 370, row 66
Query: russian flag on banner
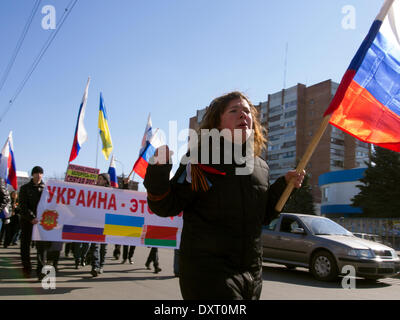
column 113, row 173
column 367, row 102
column 80, row 132
column 82, row 233
column 8, row 171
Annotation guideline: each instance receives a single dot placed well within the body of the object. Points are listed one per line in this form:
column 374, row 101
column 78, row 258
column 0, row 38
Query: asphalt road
column 135, row 282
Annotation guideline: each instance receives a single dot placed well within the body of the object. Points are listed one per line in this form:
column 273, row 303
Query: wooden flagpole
column 303, row 162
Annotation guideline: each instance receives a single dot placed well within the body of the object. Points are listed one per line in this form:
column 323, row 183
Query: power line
column 64, row 17
column 19, row 44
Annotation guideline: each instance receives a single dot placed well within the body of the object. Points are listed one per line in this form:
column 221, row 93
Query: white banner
column 72, row 212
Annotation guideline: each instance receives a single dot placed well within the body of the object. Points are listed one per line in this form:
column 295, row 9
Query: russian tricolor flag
column 80, row 132
column 113, row 174
column 8, row 171
column 367, row 102
column 151, row 141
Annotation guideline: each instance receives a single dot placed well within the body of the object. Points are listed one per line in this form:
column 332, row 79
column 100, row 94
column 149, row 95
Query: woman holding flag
column 224, row 204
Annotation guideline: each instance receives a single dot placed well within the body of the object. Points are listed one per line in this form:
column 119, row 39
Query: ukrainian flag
column 123, row 226
column 104, row 130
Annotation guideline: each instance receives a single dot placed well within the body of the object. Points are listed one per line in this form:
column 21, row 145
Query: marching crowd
column 19, row 215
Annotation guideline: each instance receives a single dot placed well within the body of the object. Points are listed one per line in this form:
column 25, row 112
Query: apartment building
column 291, row 117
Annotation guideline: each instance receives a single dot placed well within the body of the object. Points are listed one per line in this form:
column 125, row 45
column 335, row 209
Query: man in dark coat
column 29, row 197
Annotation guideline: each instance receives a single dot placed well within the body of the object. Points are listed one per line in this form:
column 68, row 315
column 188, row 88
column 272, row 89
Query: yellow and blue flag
column 104, row 130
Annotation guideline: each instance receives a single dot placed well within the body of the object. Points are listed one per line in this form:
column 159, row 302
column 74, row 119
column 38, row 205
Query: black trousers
column 42, row 248
column 131, row 250
column 153, row 257
column 26, row 238
column 11, row 230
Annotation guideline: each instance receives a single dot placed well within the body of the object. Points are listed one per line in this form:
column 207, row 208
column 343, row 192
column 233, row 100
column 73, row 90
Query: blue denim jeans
column 99, row 252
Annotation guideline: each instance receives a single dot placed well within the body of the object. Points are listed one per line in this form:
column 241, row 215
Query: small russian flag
column 113, row 174
column 141, row 164
column 8, row 170
column 80, row 132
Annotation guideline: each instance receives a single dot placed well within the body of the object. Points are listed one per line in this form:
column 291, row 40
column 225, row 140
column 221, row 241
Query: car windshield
column 324, row 226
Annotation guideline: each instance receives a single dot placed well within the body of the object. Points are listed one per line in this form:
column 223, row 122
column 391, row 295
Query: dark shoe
column 147, row 266
column 176, row 275
column 130, row 261
column 94, row 273
column 76, row 264
column 157, row 270
column 123, row 261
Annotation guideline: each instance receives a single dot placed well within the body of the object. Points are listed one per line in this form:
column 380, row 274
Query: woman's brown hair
column 212, row 118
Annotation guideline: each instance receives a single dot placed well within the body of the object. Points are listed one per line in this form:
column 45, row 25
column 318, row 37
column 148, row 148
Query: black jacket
column 29, row 196
column 221, row 245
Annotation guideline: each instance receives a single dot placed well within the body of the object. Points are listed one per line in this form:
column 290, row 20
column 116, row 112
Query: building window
column 325, row 194
column 289, row 144
column 275, row 137
column 337, row 152
column 290, row 134
column 339, row 142
column 290, row 114
column 275, row 128
column 290, row 124
column 337, row 163
column 275, row 109
column 274, row 147
column 274, row 118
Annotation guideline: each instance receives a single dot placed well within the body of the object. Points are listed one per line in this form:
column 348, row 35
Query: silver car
column 325, row 247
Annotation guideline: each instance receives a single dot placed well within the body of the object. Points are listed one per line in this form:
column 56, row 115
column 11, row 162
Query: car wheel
column 323, row 266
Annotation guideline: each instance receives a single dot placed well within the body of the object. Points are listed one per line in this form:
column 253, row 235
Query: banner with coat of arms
column 72, row 212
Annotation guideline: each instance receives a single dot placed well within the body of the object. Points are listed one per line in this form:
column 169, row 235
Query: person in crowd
column 29, row 197
column 98, row 251
column 153, row 257
column 225, row 202
column 81, row 250
column 14, row 226
column 117, row 251
column 69, row 247
column 127, row 253
column 4, row 208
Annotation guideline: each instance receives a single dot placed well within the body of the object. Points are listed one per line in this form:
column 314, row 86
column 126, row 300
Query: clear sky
column 167, row 57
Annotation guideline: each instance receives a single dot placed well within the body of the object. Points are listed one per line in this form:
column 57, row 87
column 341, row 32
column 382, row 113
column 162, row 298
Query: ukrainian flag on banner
column 123, row 226
column 104, row 130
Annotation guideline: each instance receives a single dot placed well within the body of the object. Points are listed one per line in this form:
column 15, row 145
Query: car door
column 268, row 239
column 291, row 246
